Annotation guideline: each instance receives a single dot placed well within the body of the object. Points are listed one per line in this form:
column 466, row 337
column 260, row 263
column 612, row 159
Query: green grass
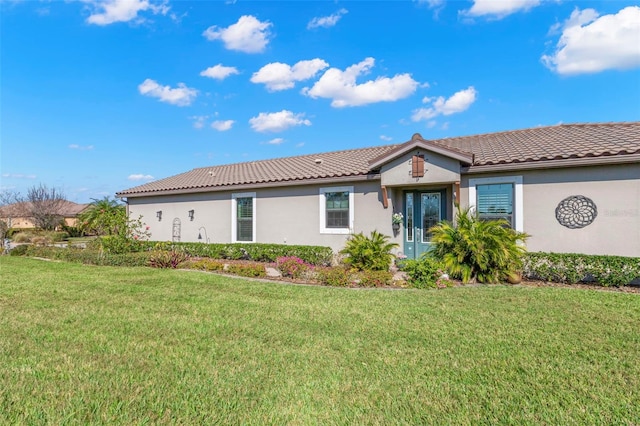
column 100, row 345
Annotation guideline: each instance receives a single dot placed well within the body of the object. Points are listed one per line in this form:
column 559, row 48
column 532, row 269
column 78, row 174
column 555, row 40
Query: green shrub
column 251, row 270
column 118, row 244
column 473, row 250
column 375, row 278
column 166, row 258
column 13, row 231
column 23, row 237
column 313, row 255
column 73, row 231
column 292, row 267
column 572, row 268
column 88, row 256
column 424, row 272
column 337, row 276
column 369, row 253
column 56, row 236
column 205, row 265
column 20, row 250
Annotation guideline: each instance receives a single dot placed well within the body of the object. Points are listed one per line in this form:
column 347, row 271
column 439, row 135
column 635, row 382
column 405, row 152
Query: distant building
column 17, row 215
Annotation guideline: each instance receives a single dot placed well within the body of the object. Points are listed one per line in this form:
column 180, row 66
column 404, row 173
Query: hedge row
column 314, row 255
column 572, row 268
column 86, row 256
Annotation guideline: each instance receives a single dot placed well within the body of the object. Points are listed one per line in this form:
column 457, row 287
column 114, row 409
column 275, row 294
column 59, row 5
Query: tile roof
column 23, row 209
column 540, row 144
column 563, row 141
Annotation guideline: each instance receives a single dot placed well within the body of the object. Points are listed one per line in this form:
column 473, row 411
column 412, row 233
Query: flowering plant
column 397, row 218
column 292, row 266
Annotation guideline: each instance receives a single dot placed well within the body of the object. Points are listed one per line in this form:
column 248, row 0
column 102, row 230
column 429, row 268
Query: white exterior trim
column 518, row 198
column 234, row 216
column 323, row 210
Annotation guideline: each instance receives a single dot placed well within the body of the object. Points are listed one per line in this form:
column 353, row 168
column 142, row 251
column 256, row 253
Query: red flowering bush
column 292, row 266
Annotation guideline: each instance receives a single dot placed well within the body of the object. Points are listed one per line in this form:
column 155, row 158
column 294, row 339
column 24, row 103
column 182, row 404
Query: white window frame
column 234, row 216
column 323, row 210
column 518, row 200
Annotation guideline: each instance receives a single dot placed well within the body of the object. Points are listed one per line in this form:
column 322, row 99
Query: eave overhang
column 248, row 186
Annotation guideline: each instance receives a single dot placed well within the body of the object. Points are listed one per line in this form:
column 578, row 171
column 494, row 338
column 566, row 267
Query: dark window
column 495, row 201
column 244, row 225
column 337, row 209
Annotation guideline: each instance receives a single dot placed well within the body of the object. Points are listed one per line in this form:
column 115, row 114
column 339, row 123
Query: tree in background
column 45, row 206
column 7, row 198
column 104, row 217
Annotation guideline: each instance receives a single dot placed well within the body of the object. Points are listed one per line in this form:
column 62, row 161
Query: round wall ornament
column 576, row 211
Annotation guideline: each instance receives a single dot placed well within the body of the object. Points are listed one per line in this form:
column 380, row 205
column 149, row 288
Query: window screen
column 495, row 201
column 337, row 209
column 244, row 219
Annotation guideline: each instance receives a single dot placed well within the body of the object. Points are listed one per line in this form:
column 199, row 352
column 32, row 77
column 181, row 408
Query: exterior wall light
column 159, row 215
column 191, row 213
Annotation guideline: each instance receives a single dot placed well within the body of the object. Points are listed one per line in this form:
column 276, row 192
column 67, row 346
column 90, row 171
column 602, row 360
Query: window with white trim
column 336, row 210
column 243, row 214
column 498, row 198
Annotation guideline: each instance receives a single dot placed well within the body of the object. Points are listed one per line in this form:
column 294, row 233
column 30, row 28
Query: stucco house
column 18, row 215
column 572, row 187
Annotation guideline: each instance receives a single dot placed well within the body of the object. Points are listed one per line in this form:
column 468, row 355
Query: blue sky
column 100, row 96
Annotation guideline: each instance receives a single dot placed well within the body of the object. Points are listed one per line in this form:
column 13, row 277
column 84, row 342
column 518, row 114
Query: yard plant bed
column 83, row 344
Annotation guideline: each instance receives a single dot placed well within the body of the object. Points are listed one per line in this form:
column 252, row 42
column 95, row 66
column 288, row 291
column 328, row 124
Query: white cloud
column 219, row 72
column 277, row 121
column 327, row 21
column 432, row 3
column 248, row 35
column 459, row 102
column 341, row 86
column 222, row 125
column 180, row 96
column 276, row 141
column 499, row 8
column 140, row 176
column 299, row 144
column 278, row 76
column 18, row 176
column 199, row 121
column 110, row 11
column 81, row 148
column 386, row 138
column 590, row 44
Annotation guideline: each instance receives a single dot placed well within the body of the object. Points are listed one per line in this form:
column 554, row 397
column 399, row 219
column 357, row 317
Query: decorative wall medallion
column 576, row 212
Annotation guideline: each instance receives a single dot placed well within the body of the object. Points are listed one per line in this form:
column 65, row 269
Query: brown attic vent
column 318, row 161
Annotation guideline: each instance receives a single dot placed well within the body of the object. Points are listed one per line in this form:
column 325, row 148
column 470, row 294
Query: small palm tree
column 103, row 217
column 473, row 250
column 369, row 253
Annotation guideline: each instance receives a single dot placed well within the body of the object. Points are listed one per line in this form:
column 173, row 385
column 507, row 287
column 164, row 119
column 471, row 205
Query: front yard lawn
column 85, row 344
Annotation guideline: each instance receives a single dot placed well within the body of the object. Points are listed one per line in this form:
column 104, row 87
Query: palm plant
column 369, row 253
column 104, row 217
column 486, row 251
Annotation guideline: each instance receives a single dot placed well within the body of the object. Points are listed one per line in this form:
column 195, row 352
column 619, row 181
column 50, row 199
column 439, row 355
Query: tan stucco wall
column 438, row 168
column 286, row 215
column 614, row 189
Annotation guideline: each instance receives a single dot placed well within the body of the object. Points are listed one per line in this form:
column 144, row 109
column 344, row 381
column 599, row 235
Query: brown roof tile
column 540, row 144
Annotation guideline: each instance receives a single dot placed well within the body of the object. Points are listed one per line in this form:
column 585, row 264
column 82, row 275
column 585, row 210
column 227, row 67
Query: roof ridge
column 478, row 135
column 298, row 156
